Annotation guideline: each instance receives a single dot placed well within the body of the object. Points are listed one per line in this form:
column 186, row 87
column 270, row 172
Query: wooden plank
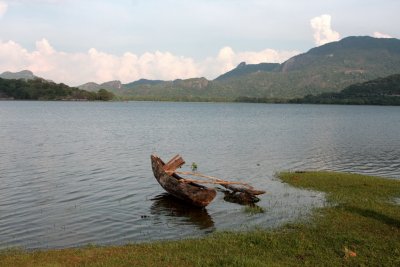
column 172, row 159
column 174, row 163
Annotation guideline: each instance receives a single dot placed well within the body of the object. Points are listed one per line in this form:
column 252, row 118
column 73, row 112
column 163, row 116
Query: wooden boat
column 192, row 193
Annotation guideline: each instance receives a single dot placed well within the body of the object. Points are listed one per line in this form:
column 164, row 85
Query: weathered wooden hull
column 191, row 193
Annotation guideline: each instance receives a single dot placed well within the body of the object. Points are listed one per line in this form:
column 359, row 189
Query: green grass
column 253, row 209
column 359, row 227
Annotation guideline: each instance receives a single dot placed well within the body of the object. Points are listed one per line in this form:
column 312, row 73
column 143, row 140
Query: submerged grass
column 253, row 209
column 360, row 227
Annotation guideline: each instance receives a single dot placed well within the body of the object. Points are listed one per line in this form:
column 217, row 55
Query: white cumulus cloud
column 323, row 32
column 3, row 8
column 98, row 66
column 78, row 68
column 381, row 35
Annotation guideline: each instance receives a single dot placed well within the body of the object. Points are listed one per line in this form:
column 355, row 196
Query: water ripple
column 79, row 173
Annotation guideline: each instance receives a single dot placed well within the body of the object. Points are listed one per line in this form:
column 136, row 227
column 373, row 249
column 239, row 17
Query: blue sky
column 128, row 40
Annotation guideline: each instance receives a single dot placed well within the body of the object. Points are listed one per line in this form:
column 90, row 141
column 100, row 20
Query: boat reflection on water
column 167, row 205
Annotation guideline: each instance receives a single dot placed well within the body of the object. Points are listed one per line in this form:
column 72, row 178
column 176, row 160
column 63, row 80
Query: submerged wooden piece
column 235, row 187
column 240, row 197
column 245, row 190
column 192, row 193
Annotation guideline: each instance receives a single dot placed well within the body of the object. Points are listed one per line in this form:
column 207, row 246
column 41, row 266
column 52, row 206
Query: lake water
column 77, row 173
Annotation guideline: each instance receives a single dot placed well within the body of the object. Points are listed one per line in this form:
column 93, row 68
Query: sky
column 78, row 41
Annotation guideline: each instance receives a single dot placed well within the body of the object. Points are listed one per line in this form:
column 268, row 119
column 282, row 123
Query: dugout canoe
column 192, row 193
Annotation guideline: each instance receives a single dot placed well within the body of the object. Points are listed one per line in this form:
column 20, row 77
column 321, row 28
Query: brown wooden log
column 245, row 188
column 173, row 164
column 250, row 191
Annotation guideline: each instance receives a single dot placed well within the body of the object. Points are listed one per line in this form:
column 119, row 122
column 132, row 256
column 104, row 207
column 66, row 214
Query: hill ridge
column 326, row 68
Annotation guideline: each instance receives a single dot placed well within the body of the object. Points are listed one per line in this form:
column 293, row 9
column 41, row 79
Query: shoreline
column 359, row 226
column 286, row 101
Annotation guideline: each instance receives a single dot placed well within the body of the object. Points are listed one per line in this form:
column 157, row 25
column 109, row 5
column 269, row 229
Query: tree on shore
column 105, row 95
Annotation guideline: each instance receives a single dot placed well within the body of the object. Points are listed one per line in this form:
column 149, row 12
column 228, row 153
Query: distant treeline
column 40, row 89
column 382, row 91
column 246, row 99
column 173, row 99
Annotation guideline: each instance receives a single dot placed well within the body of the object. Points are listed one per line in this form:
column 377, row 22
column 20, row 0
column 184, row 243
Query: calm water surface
column 79, row 173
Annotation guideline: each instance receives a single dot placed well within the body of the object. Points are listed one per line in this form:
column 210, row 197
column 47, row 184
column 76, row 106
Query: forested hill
column 24, row 75
column 244, row 69
column 381, row 91
column 40, row 89
column 324, row 69
column 327, row 68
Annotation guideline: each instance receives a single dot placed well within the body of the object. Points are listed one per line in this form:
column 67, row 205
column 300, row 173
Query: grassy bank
column 360, row 227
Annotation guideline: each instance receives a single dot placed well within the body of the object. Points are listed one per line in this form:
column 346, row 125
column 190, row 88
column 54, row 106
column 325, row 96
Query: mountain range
column 327, row 68
column 24, row 75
